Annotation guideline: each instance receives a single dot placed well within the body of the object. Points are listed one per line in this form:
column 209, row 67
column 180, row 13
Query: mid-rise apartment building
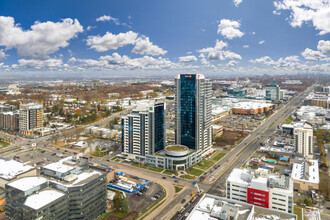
column 261, row 188
column 30, row 118
column 7, row 108
column 303, row 139
column 9, row 121
column 143, row 131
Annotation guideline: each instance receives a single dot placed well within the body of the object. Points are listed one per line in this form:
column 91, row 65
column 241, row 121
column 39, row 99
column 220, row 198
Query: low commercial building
column 310, row 112
column 101, row 132
column 68, row 189
column 261, row 188
column 251, row 108
column 173, row 157
column 318, row 99
column 220, row 111
column 305, row 176
column 11, row 170
column 211, row 207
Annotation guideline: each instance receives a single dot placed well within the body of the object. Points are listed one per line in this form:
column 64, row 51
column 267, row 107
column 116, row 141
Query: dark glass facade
column 159, row 127
column 187, row 110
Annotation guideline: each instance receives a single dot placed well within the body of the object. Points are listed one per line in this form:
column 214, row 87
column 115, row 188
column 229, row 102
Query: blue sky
column 214, row 36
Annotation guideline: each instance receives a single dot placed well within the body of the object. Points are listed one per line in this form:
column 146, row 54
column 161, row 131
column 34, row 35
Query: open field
column 229, row 138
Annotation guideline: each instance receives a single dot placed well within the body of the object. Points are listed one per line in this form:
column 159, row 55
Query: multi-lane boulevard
column 243, row 151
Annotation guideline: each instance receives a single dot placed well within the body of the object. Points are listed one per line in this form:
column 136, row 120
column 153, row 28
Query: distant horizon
column 115, row 38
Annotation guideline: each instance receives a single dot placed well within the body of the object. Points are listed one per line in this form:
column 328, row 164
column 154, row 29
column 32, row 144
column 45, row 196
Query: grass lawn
column 195, row 172
column 157, row 169
column 204, row 164
column 218, row 156
column 178, row 189
column 99, row 154
column 169, row 172
column 114, row 158
column 102, row 216
column 119, row 214
column 288, row 120
column 10, row 150
column 297, row 211
column 189, row 177
column 3, row 144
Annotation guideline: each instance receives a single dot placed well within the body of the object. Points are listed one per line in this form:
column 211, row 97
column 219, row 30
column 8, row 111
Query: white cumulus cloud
column 40, row 64
column 237, row 2
column 262, row 42
column 108, row 18
column 217, row 52
column 41, row 40
column 111, row 41
column 246, row 46
column 230, row 29
column 310, row 54
column 324, row 46
column 303, row 11
column 2, row 54
column 116, row 61
column 72, row 60
column 144, row 46
column 231, row 63
column 187, row 59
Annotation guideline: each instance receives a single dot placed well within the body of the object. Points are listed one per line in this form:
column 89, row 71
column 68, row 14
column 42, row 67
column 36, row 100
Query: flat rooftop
column 42, row 198
column 252, row 105
column 78, row 179
column 59, row 167
column 213, row 207
column 27, row 183
column 312, row 171
column 9, row 169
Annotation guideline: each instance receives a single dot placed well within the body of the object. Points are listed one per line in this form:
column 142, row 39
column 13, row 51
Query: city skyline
column 115, row 38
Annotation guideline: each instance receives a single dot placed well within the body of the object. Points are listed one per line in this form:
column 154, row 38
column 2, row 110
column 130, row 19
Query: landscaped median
column 298, row 211
column 218, row 156
column 203, row 164
column 156, row 169
column 195, row 172
column 3, row 144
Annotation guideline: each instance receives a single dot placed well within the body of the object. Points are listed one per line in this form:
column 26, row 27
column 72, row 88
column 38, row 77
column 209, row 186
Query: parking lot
column 141, row 200
column 39, row 156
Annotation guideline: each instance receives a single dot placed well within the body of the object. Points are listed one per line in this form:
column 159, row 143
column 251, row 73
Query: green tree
column 120, row 203
column 308, row 202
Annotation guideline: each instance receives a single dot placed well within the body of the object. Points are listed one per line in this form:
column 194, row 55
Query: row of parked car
column 157, row 195
column 141, row 191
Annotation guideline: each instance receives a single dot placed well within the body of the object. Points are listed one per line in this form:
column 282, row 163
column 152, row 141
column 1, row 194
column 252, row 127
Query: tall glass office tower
column 193, row 105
